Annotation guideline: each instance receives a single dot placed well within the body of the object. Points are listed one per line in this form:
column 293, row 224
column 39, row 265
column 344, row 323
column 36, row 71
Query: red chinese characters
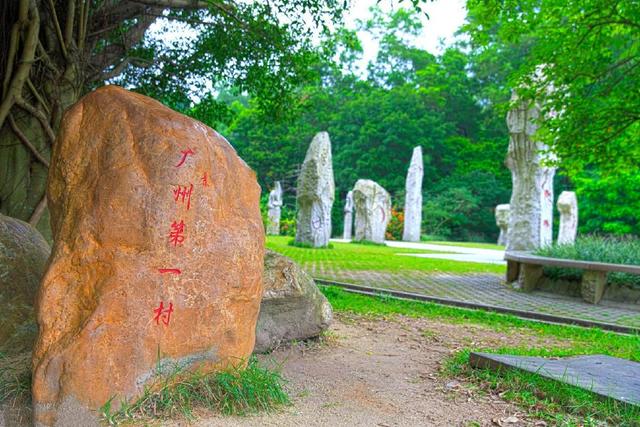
column 205, row 180
column 163, row 314
column 185, row 154
column 170, row 271
column 182, row 194
column 176, row 235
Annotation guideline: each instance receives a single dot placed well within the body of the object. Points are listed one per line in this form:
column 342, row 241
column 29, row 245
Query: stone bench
column 528, row 268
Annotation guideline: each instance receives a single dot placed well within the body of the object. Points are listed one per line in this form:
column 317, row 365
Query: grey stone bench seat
column 527, row 268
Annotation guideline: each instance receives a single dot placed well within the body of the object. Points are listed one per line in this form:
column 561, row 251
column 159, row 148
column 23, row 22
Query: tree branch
column 71, row 14
column 23, row 138
column 38, row 211
column 14, row 91
column 58, row 29
column 48, row 130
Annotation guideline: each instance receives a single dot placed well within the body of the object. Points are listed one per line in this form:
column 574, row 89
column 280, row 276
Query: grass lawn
column 354, row 256
column 469, row 245
column 558, row 404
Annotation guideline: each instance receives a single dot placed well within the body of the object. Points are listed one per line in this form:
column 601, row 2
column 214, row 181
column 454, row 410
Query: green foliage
column 614, row 250
column 287, row 222
column 252, row 47
column 591, row 57
column 237, row 391
column 373, row 257
column 410, row 98
column 609, row 204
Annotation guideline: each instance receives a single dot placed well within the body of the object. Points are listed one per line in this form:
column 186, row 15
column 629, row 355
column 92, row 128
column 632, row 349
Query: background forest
column 453, row 105
column 269, row 81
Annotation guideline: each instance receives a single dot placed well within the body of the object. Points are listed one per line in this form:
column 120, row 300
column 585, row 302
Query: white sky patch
column 445, row 18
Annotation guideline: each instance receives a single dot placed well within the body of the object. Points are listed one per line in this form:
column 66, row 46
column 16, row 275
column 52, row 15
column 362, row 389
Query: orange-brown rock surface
column 157, row 259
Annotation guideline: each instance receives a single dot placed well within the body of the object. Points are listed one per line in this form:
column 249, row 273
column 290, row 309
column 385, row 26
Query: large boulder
column 23, row 259
column 373, row 210
column 316, row 192
column 292, row 306
column 157, row 260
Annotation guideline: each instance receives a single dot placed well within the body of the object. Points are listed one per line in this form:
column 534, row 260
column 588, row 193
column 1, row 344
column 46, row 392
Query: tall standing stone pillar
column 348, row 216
column 373, row 210
column 413, row 198
column 275, row 206
column 530, row 221
column 568, row 208
column 502, row 221
column 316, row 190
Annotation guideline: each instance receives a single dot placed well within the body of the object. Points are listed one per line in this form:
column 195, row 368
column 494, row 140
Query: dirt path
column 375, row 372
column 383, row 373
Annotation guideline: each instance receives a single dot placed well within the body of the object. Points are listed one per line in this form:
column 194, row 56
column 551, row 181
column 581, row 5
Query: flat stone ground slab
column 606, row 376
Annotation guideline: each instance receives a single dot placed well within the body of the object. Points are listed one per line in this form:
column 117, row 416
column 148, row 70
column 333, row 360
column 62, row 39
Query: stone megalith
column 373, row 210
column 292, row 308
column 316, row 192
column 568, row 208
column 502, row 221
column 530, row 219
column 413, row 198
column 157, row 260
column 348, row 216
column 23, row 260
column 274, row 205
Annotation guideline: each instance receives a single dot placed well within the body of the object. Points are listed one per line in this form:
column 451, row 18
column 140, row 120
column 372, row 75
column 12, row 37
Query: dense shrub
column 615, row 250
column 395, row 226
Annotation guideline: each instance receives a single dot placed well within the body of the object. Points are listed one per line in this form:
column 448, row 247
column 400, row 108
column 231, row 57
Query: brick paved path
column 486, row 289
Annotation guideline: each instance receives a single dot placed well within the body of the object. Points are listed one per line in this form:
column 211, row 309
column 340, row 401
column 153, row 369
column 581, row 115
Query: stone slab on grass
column 605, row 376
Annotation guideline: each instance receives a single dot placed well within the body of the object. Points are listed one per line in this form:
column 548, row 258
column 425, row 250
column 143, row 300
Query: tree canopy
column 54, row 51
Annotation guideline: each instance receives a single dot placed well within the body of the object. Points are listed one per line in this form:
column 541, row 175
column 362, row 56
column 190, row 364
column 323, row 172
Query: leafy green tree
column 583, row 60
column 54, row 51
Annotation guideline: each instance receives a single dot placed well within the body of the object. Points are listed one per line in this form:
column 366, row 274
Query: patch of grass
column 292, row 242
column 553, row 401
column 543, row 398
column 354, row 256
column 582, row 340
column 15, row 378
column 615, row 250
column 238, row 391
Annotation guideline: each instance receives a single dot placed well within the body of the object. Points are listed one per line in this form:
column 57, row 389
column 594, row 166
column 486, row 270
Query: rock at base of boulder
column 23, row 259
column 292, row 305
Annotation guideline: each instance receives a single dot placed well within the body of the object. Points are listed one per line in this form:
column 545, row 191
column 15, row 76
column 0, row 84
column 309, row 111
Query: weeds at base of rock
column 15, row 378
column 237, row 391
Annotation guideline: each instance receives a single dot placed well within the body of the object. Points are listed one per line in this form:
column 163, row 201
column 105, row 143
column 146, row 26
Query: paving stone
column 606, row 376
column 483, row 288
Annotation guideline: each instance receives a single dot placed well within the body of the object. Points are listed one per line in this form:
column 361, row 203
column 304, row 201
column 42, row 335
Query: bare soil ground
column 372, row 372
column 378, row 372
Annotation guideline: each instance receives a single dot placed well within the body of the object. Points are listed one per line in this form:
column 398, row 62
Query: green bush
column 615, row 250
